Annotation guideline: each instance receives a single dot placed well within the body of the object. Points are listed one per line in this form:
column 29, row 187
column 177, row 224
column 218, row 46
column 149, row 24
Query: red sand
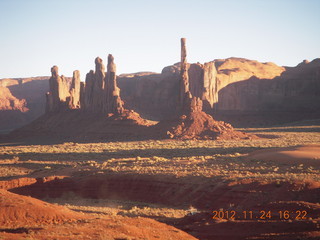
column 307, row 155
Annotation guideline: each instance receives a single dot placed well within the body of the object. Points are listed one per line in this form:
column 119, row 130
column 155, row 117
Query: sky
column 144, row 35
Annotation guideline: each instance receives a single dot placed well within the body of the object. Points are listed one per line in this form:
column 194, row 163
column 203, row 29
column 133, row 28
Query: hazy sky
column 144, row 35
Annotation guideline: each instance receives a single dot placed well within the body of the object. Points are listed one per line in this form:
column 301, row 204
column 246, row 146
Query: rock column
column 75, row 91
column 58, row 93
column 113, row 102
column 187, row 103
column 184, row 77
column 88, row 91
column 98, row 86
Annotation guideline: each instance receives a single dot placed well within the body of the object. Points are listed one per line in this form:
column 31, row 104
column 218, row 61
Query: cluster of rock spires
column 69, row 102
column 98, row 94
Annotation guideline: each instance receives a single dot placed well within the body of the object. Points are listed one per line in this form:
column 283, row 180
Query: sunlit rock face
column 99, row 93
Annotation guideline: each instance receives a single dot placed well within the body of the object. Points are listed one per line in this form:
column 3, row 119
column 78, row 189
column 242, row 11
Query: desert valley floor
column 264, row 188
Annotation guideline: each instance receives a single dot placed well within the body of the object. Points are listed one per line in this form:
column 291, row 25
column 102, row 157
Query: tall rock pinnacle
column 187, row 103
column 184, row 80
column 98, row 86
column 58, row 93
column 88, row 91
column 75, row 91
column 113, row 103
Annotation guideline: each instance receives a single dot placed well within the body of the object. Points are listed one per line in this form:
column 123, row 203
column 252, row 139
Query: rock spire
column 113, row 101
column 187, row 103
column 59, row 91
column 99, row 93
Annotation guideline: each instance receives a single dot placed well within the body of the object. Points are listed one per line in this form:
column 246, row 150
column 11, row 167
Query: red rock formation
column 202, row 78
column 75, row 91
column 98, row 86
column 100, row 93
column 184, row 93
column 113, row 103
column 9, row 102
column 88, row 91
column 59, row 92
column 194, row 123
column 229, row 86
column 21, row 101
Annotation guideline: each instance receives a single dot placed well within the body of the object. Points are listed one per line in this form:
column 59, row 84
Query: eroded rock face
column 235, row 72
column 202, row 78
column 184, row 80
column 98, row 86
column 113, row 103
column 99, row 93
column 88, row 91
column 58, row 93
column 226, row 86
column 75, row 91
column 193, row 123
column 10, row 102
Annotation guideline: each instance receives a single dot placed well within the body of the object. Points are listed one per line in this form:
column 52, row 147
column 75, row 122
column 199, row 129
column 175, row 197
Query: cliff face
column 277, row 89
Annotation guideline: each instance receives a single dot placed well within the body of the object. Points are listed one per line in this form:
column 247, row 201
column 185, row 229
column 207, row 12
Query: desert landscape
column 159, row 120
column 89, row 166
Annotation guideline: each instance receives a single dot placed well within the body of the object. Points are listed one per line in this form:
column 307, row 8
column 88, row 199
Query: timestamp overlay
column 260, row 215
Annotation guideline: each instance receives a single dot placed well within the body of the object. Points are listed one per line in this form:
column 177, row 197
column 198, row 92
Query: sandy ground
column 266, row 188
